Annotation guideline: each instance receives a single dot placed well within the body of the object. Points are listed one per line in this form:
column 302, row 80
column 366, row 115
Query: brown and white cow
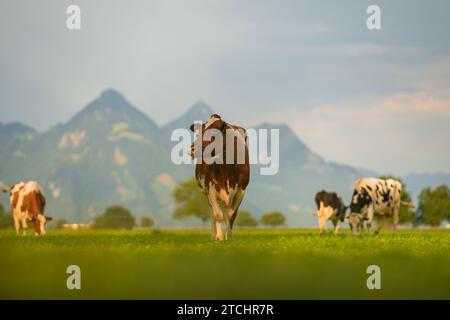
column 222, row 170
column 27, row 202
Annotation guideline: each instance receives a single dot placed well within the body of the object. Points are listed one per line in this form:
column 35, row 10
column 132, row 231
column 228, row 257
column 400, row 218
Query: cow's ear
column 48, row 218
column 192, row 127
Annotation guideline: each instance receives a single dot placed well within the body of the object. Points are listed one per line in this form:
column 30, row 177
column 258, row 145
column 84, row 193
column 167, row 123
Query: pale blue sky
column 374, row 99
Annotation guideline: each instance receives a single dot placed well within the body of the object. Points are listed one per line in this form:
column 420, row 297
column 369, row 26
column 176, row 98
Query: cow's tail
column 4, row 187
column 407, row 204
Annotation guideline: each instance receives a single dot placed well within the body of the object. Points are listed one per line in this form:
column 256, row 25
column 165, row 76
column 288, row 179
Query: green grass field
column 255, row 264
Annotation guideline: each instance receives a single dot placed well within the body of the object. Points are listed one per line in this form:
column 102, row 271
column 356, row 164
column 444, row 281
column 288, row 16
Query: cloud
column 433, row 77
column 398, row 133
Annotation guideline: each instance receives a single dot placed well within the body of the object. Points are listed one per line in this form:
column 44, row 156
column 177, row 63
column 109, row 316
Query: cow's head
column 39, row 224
column 358, row 207
column 355, row 221
column 202, row 140
column 342, row 211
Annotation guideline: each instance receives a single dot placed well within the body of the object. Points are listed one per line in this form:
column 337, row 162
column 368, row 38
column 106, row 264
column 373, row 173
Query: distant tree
column 273, row 219
column 115, row 217
column 245, row 219
column 6, row 220
column 434, row 206
column 147, row 222
column 406, row 214
column 190, row 201
column 59, row 223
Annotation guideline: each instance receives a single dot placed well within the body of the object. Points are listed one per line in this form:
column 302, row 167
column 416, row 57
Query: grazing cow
column 27, row 202
column 375, row 198
column 329, row 206
column 222, row 173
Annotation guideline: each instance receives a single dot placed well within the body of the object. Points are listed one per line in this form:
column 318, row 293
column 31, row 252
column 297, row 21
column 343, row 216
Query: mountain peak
column 113, row 99
column 200, row 109
column 110, row 92
column 15, row 128
column 109, row 108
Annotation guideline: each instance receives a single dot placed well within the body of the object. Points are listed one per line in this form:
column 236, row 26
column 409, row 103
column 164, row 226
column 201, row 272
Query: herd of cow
column 372, row 198
column 224, row 184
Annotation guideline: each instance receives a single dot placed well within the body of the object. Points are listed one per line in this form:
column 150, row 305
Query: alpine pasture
column 254, row 264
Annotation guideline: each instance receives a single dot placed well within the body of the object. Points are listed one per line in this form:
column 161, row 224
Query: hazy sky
column 374, row 99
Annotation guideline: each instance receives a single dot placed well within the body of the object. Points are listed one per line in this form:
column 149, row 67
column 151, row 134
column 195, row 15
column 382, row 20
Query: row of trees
column 191, row 202
column 115, row 217
column 433, row 209
column 433, row 206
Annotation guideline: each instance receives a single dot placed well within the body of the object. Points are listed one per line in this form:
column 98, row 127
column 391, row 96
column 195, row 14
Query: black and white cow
column 375, row 198
column 329, row 206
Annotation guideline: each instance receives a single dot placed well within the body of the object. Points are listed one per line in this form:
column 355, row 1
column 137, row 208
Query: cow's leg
column 395, row 217
column 213, row 224
column 228, row 212
column 24, row 225
column 379, row 225
column 337, row 225
column 370, row 213
column 320, row 214
column 16, row 224
column 233, row 209
column 322, row 224
column 217, row 213
column 327, row 213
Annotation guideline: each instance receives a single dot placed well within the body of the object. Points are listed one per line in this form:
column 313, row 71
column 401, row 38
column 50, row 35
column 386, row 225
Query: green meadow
column 255, row 264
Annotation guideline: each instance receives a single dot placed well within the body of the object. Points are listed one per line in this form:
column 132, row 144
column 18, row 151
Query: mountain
column 11, row 134
column 301, row 174
column 200, row 111
column 112, row 153
column 108, row 153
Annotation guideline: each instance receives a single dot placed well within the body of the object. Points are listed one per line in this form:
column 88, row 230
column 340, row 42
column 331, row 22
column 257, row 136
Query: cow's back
column 384, row 193
column 15, row 195
column 32, row 199
column 225, row 176
column 329, row 199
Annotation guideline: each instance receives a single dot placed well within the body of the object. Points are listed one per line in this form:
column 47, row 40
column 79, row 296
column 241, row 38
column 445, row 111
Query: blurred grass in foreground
column 255, row 264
